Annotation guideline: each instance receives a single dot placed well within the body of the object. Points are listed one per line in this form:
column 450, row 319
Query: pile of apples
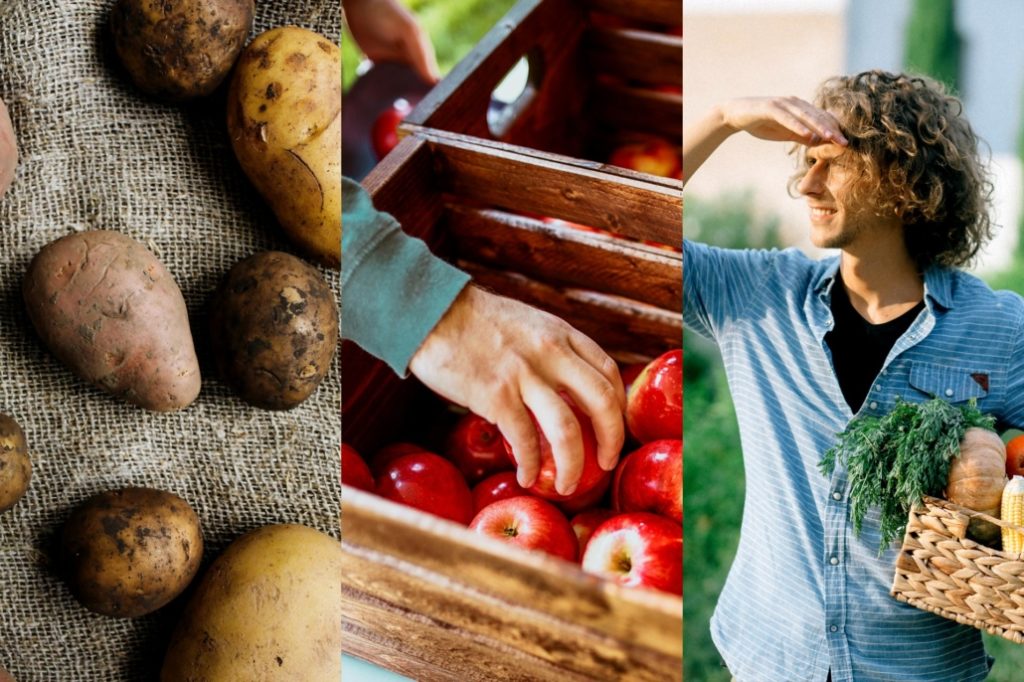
column 625, row 525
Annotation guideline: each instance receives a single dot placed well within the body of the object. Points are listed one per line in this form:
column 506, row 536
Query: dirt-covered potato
column 179, row 49
column 284, row 119
column 8, row 150
column 15, row 466
column 268, row 608
column 128, row 552
column 273, row 329
column 109, row 310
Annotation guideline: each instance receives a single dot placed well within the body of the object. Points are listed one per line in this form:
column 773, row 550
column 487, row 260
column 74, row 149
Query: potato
column 6, row 676
column 106, row 307
column 128, row 552
column 15, row 466
column 268, row 608
column 8, row 150
column 179, row 49
column 284, row 119
column 274, row 329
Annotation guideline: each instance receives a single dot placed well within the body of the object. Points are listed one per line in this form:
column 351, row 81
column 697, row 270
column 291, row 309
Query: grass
column 714, row 483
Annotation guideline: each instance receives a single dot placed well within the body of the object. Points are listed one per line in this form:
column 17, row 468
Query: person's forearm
column 701, row 139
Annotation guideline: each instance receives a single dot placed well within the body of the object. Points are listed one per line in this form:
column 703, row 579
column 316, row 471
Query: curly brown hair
column 914, row 154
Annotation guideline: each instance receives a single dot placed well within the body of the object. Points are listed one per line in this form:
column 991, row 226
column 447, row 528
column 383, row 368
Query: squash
column 977, row 478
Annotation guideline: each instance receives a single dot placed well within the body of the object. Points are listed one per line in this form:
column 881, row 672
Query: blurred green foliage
column 454, row 26
column 714, row 482
column 932, row 42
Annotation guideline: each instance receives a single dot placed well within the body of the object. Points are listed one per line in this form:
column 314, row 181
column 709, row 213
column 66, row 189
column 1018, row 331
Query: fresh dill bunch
column 894, row 460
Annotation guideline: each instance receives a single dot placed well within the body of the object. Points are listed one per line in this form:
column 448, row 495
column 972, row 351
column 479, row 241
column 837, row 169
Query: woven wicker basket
column 940, row 569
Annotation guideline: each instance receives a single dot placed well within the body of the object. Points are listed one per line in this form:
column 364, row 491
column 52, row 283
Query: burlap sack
column 96, row 153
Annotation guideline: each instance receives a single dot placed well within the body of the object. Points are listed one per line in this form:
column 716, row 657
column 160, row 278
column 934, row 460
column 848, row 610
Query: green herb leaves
column 892, row 461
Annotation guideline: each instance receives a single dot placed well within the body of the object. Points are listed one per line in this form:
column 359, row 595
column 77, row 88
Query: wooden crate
column 591, row 84
column 427, row 597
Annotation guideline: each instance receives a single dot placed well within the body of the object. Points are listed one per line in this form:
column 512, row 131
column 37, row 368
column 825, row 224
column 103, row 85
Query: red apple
column 430, row 483
column 575, row 504
column 1015, row 457
column 630, row 372
column 354, row 471
column 499, row 486
column 475, row 447
column 638, row 550
column 656, row 156
column 384, row 134
column 592, row 475
column 389, row 453
column 654, row 404
column 585, row 523
column 650, row 479
column 530, row 523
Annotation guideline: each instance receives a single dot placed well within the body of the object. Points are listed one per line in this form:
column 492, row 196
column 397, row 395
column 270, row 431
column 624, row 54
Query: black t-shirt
column 859, row 348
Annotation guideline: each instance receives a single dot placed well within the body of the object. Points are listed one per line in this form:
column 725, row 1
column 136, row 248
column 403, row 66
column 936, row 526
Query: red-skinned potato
column 8, row 150
column 108, row 309
column 6, row 676
column 15, row 466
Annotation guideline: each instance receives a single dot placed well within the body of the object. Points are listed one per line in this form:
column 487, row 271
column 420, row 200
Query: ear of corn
column 1012, row 511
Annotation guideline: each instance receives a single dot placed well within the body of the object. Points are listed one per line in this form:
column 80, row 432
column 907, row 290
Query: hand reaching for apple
column 503, row 359
column 8, row 150
column 387, row 31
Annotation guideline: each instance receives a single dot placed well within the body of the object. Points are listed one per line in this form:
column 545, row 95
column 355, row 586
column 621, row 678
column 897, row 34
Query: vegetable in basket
column 930, row 448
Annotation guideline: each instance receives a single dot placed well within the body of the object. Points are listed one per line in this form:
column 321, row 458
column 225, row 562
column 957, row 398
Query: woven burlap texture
column 98, row 154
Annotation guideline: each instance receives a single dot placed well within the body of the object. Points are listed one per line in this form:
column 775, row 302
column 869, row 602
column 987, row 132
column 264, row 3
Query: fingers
column 603, row 399
column 562, row 431
column 420, row 52
column 515, row 425
column 595, row 356
column 814, row 124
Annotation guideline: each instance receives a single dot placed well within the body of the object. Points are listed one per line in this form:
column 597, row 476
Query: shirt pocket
column 951, row 384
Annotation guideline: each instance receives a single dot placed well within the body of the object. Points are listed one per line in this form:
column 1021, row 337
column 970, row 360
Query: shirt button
column 884, row 372
column 873, row 405
column 949, row 392
column 834, row 561
column 837, row 496
column 833, row 628
column 878, row 387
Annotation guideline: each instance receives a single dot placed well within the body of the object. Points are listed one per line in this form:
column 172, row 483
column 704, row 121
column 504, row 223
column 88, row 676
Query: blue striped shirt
column 804, row 594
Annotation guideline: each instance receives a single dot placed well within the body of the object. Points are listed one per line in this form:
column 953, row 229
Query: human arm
column 8, row 150
column 779, row 119
column 386, row 31
column 495, row 356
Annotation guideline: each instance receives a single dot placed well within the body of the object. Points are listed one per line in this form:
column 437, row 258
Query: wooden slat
column 483, row 637
column 616, row 324
column 668, row 12
column 639, row 109
column 404, row 185
column 567, row 256
column 521, row 182
column 559, row 589
column 639, row 55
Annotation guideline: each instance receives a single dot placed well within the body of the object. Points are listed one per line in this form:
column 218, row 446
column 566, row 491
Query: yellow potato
column 284, row 119
column 268, row 608
column 15, row 466
column 129, row 552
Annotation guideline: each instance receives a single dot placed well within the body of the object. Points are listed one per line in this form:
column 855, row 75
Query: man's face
column 836, row 223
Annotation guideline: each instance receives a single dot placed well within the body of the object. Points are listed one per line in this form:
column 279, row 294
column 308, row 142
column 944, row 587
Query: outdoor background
column 786, row 47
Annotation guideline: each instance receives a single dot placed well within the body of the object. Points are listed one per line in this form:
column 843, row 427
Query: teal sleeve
column 393, row 289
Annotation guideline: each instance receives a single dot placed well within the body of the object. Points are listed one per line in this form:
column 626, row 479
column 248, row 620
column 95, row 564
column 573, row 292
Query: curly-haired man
column 892, row 177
